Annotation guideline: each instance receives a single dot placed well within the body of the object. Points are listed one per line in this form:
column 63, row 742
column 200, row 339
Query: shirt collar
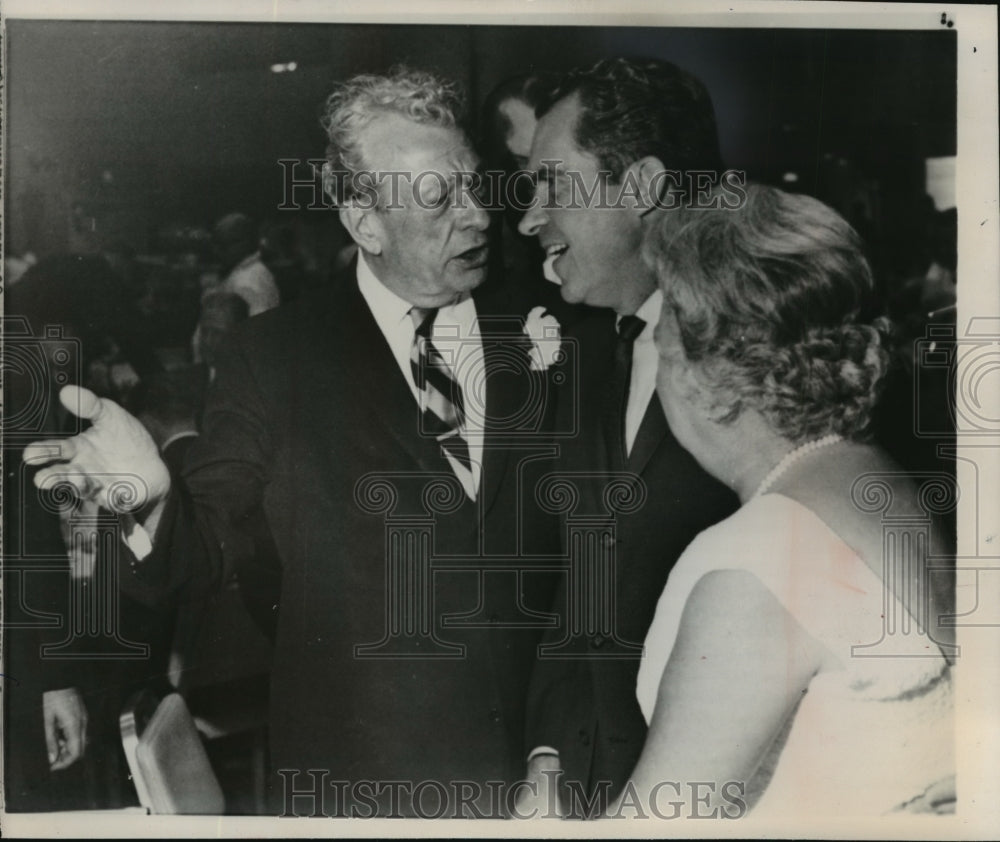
column 177, row 437
column 385, row 304
column 246, row 261
column 392, row 309
column 649, row 312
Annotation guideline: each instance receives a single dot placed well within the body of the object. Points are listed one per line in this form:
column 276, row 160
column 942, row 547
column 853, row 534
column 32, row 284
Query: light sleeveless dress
column 867, row 737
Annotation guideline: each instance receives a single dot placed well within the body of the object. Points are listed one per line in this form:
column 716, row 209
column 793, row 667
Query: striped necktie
column 441, row 404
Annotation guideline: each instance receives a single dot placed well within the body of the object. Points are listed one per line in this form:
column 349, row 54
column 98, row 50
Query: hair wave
column 773, row 303
column 415, row 94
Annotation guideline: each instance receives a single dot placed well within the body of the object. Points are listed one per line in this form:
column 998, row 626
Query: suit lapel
column 505, row 394
column 652, row 431
column 613, row 428
column 388, row 401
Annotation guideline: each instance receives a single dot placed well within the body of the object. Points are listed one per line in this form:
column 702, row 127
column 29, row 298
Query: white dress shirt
column 645, row 359
column 455, row 335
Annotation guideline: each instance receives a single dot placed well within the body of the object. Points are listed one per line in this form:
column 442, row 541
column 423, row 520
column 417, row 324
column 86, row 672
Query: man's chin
column 467, row 279
column 571, row 294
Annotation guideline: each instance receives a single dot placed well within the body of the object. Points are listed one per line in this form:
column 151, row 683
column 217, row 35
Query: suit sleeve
column 213, row 517
column 559, row 701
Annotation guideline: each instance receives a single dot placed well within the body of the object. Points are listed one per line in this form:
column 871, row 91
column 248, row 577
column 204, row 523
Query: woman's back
column 874, row 727
column 893, row 521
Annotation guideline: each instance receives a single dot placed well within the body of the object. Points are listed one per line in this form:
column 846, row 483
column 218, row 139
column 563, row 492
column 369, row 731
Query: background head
column 769, row 308
column 509, row 119
column 402, row 172
column 234, row 238
column 508, row 126
column 169, row 403
column 624, row 133
column 220, row 313
column 105, row 338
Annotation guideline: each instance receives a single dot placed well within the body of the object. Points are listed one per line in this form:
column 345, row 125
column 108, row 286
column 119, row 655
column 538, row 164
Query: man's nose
column 533, row 220
column 480, row 217
column 474, row 214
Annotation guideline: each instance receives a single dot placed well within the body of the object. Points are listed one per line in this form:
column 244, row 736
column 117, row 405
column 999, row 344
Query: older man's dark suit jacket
column 583, row 695
column 308, row 403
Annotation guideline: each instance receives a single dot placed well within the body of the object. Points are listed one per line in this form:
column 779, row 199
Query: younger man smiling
column 613, row 141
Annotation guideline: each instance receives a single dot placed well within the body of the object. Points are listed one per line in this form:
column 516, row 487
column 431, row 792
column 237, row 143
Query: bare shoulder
column 732, row 605
column 859, row 492
column 733, row 620
column 850, row 487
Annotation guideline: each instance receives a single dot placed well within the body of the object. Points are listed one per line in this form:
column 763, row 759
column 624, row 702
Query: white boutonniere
column 542, row 329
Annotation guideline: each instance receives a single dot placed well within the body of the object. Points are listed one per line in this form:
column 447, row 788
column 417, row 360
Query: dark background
column 118, row 129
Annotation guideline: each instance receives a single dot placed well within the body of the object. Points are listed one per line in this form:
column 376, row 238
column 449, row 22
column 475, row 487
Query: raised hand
column 114, row 463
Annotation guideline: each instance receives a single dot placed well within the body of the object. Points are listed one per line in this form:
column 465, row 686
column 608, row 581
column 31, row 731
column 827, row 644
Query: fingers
column 75, row 732
column 51, row 738
column 82, row 555
column 63, row 762
column 123, row 496
column 48, row 478
column 84, row 404
column 115, row 462
column 83, row 728
column 81, row 402
column 65, row 717
column 43, row 452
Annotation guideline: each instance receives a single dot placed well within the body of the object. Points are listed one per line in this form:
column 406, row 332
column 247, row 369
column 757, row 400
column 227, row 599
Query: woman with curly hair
column 798, row 663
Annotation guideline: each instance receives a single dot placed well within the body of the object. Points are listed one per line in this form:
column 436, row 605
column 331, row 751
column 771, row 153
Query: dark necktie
column 629, row 328
column 441, row 403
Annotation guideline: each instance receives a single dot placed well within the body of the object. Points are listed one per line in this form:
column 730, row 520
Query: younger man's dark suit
column 583, row 699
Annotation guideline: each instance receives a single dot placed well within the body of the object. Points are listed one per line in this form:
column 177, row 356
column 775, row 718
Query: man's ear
column 363, row 226
column 646, row 183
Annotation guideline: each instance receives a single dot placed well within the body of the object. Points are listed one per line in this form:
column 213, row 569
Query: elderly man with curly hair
column 374, row 437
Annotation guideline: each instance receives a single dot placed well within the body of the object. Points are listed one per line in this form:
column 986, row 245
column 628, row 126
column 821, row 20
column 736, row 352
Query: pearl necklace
column 791, row 458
